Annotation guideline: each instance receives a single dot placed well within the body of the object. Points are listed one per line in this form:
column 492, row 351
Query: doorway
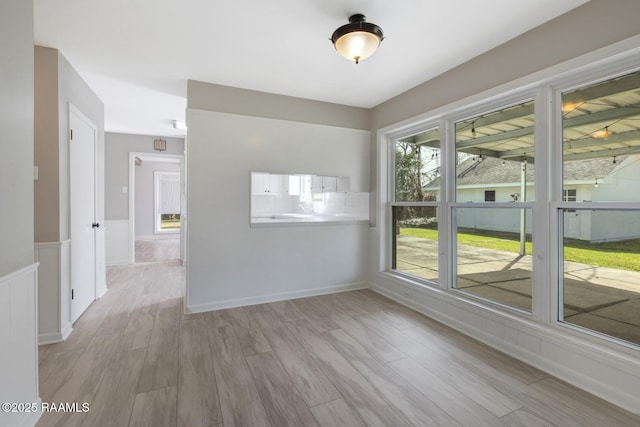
column 156, row 207
column 83, row 207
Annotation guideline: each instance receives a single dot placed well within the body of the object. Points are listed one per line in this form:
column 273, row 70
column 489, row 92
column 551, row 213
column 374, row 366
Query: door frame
column 97, row 293
column 150, row 157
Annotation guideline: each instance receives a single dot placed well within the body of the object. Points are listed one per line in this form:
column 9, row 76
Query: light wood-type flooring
column 157, row 250
column 348, row 359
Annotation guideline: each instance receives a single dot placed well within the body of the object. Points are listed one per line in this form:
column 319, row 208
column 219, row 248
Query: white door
column 82, row 177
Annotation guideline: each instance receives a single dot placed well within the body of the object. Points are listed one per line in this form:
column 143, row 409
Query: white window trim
column 544, row 88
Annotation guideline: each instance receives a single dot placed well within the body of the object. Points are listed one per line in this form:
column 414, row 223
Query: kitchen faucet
column 305, row 210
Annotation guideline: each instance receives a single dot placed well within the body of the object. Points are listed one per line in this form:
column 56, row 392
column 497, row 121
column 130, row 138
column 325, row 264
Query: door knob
column 95, row 225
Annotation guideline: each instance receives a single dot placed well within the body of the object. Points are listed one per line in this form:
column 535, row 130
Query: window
column 415, row 208
column 600, row 239
column 167, row 202
column 569, row 195
column 472, row 214
column 493, row 245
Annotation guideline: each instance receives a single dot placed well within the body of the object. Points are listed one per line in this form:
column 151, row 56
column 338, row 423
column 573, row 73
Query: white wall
column 18, row 272
column 231, row 263
column 607, row 226
column 493, row 219
column 145, row 195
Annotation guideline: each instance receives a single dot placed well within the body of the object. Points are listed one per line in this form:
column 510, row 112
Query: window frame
column 533, row 94
column 544, row 87
column 390, row 261
column 581, row 78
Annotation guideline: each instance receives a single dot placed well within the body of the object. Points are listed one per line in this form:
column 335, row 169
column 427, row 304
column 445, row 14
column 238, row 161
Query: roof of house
column 491, row 170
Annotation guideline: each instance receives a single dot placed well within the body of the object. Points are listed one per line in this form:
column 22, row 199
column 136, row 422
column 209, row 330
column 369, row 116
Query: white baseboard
column 241, row 302
column 609, row 374
column 54, row 337
column 50, row 338
column 101, row 291
column 67, row 331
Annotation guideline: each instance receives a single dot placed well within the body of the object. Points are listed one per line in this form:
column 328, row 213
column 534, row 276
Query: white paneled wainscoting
column 118, row 242
column 54, row 319
column 18, row 334
column 609, row 374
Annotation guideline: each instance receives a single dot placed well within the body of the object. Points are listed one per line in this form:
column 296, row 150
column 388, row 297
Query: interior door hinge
column 71, row 293
column 72, row 134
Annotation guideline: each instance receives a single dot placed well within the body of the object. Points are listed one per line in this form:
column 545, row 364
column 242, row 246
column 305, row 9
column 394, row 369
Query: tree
column 409, row 167
column 411, row 177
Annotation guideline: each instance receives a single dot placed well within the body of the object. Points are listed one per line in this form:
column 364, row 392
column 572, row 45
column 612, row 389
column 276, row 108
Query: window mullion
column 447, row 196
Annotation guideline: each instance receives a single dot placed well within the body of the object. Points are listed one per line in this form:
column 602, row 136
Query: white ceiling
column 138, row 54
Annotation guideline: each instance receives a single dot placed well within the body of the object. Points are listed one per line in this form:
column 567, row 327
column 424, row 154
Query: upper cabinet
column 269, row 184
column 324, row 184
column 292, row 184
column 266, row 184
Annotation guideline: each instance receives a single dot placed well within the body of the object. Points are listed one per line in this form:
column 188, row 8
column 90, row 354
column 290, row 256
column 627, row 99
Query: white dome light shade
column 357, row 45
column 358, row 39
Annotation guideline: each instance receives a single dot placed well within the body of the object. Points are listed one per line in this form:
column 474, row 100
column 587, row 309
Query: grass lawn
column 169, row 224
column 624, row 255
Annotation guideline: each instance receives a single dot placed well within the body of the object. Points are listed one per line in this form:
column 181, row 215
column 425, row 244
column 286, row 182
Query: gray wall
column 145, row 194
column 225, row 99
column 57, row 85
column 117, row 149
column 16, row 122
column 46, row 188
column 231, row 263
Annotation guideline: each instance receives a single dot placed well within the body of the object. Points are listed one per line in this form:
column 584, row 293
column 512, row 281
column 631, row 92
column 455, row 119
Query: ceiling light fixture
column 160, row 145
column 604, row 133
column 358, row 39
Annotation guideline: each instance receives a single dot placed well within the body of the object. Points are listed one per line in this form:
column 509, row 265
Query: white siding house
column 486, row 179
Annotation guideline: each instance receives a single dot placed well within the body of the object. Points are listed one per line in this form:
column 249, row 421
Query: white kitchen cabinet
column 323, row 184
column 266, row 184
column 329, row 184
column 292, row 185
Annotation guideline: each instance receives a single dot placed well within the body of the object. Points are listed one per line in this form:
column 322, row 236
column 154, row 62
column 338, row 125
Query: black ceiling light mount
column 358, row 39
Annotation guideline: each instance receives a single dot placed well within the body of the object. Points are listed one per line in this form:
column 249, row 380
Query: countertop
column 303, row 220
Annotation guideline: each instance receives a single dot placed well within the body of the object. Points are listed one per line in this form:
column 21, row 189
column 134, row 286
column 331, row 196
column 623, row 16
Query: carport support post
column 523, row 198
